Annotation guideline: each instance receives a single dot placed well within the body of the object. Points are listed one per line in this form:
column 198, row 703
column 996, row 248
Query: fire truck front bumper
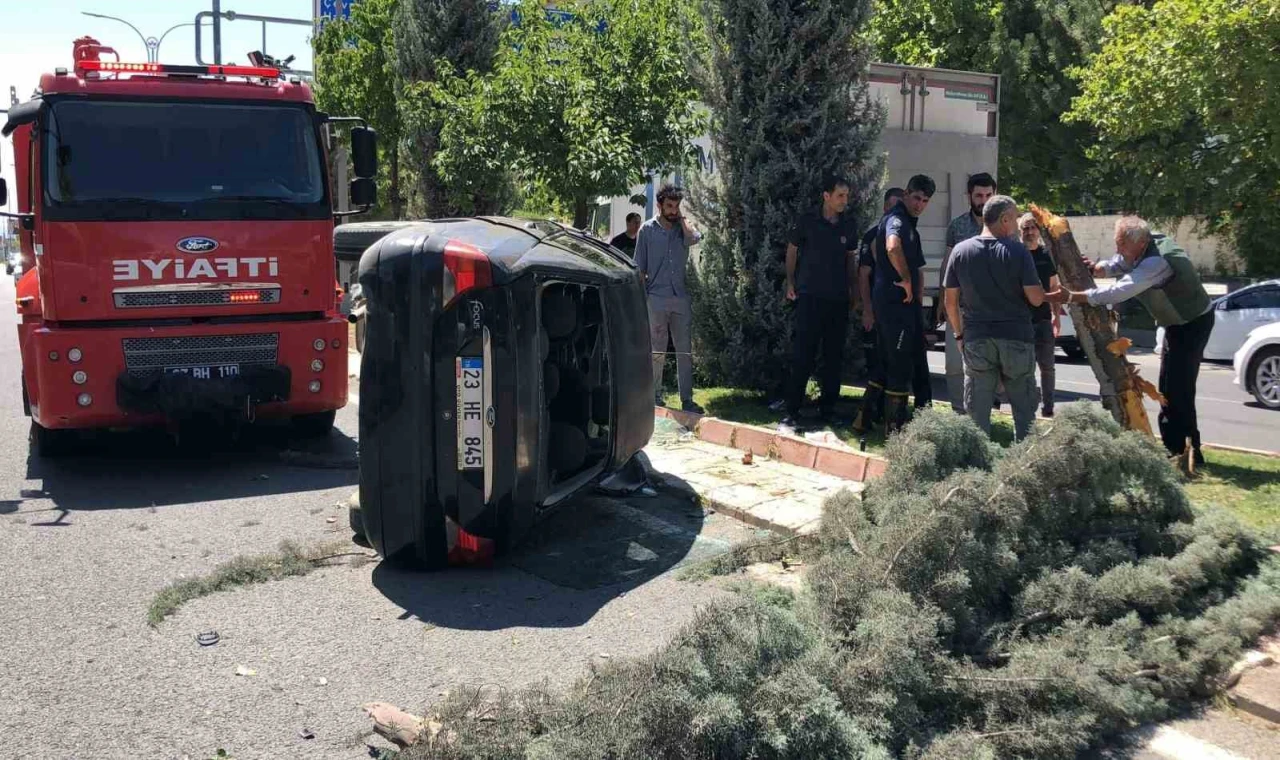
column 182, row 395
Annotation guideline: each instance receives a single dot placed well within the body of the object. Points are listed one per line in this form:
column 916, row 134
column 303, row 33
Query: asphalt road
column 1228, row 415
column 88, row 541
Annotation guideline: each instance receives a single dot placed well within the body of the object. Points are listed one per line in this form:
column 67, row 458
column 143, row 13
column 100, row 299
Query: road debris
column 243, row 670
column 393, row 724
column 208, row 638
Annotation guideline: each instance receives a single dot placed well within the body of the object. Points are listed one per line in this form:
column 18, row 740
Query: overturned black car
column 505, row 368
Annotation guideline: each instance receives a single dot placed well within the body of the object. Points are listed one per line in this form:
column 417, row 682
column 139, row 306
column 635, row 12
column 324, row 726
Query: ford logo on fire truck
column 197, row 245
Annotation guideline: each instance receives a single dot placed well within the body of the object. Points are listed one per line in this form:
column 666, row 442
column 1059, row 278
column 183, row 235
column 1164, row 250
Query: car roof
column 1247, row 288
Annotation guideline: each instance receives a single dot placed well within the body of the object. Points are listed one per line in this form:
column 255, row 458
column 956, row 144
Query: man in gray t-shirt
column 995, row 279
column 662, row 255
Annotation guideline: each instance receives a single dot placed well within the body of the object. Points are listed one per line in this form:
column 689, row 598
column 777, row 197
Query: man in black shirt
column 821, row 261
column 869, row 413
column 626, row 241
column 895, row 296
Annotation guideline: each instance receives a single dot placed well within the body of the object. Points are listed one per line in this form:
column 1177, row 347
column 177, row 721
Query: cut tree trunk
column 1122, row 388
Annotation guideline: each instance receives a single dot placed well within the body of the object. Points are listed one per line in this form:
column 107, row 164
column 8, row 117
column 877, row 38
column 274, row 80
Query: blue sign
column 327, row 10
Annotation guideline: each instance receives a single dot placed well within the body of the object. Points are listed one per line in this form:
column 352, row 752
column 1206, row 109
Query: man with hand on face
column 992, row 286
column 981, row 187
column 895, row 296
column 822, row 265
column 868, row 414
column 662, row 255
column 1160, row 275
column 626, row 241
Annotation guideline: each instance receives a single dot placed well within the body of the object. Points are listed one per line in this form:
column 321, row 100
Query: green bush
column 1033, row 604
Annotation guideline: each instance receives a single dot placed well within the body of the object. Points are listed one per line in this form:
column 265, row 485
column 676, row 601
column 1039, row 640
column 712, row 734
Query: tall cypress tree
column 786, row 84
column 462, row 34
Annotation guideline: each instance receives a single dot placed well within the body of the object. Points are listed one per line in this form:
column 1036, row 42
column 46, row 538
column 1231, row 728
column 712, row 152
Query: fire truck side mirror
column 364, row 152
column 364, row 192
column 4, row 192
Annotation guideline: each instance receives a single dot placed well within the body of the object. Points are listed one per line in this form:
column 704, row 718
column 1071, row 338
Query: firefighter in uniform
column 895, row 296
column 1159, row 274
column 868, row 414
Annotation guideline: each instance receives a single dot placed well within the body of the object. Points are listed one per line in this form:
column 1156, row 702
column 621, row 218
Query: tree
column 1032, row 44
column 1036, row 603
column 1185, row 98
column 355, row 76
column 786, row 86
column 435, row 38
column 580, row 105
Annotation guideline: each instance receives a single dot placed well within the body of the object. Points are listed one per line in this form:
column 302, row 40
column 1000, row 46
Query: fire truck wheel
column 48, row 443
column 314, row 425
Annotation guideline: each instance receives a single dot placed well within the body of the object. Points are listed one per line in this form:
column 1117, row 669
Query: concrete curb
column 1241, row 450
column 831, row 460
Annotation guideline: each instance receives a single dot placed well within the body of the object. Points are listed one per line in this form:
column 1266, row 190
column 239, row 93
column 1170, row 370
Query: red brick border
column 846, row 464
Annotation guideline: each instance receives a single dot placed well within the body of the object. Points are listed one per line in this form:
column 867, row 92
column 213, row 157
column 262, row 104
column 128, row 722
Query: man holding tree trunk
column 1159, row 274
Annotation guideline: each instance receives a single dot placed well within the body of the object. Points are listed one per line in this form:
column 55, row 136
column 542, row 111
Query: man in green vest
column 1154, row 270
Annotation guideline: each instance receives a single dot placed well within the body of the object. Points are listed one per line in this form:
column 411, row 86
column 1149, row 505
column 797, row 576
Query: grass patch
column 290, row 560
column 1247, row 485
column 752, row 408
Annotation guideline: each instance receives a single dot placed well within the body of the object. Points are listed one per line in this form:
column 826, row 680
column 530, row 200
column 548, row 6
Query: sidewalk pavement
column 765, row 493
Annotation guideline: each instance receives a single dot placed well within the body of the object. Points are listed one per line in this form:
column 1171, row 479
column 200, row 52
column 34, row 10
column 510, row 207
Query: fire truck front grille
column 149, row 354
column 159, row 298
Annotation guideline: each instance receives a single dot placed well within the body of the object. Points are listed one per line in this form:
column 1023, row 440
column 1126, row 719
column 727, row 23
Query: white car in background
column 1235, row 316
column 1257, row 365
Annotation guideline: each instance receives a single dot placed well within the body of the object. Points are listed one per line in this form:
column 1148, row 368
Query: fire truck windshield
column 151, row 160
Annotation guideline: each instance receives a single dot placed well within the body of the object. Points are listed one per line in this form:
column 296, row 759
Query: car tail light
column 471, row 550
column 465, row 268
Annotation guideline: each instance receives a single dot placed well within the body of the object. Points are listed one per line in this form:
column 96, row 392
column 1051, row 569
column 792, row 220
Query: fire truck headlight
column 74, row 355
column 80, row 377
column 318, row 344
column 314, row 386
column 316, row 365
column 84, row 399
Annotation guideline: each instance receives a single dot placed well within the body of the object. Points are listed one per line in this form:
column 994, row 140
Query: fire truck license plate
column 470, row 376
column 214, row 372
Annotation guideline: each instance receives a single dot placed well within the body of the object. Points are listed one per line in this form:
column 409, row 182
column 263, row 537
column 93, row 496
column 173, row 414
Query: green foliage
column 785, row 82
column 1032, row 44
column 1031, row 604
column 435, row 42
column 571, row 107
column 355, row 76
column 290, row 560
column 1185, row 98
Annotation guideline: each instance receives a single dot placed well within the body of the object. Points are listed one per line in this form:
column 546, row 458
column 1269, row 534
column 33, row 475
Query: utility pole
column 217, row 32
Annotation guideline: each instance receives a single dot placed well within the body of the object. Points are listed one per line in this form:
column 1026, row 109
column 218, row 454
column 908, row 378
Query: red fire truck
column 176, row 229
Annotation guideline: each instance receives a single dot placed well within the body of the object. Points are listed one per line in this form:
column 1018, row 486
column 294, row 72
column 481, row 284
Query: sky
column 36, row 37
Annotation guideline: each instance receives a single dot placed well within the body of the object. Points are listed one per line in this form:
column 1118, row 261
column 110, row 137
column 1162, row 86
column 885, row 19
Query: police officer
column 868, row 414
column 821, row 267
column 895, row 296
column 1159, row 274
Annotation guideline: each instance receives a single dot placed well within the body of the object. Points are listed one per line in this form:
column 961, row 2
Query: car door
column 1239, row 314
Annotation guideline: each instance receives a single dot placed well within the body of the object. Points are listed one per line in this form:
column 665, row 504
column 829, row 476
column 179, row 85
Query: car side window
column 1269, row 298
column 1252, row 299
